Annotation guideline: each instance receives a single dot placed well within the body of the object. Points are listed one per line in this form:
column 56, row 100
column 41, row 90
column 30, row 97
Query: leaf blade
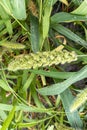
column 69, row 34
column 8, row 119
column 73, row 117
column 58, row 88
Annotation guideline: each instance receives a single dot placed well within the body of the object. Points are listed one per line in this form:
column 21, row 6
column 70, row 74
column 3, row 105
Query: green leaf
column 33, row 123
column 46, row 17
column 58, row 88
column 76, row 2
column 7, row 4
column 53, row 74
column 4, row 85
column 8, row 119
column 66, row 17
column 34, row 29
column 24, row 108
column 3, row 115
column 28, row 82
column 6, row 19
column 73, row 117
column 35, row 96
column 69, row 34
column 82, row 9
column 17, row 12
column 18, row 9
column 54, row 1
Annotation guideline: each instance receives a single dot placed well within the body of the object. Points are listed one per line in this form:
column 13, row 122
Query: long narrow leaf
column 66, row 17
column 27, row 125
column 34, row 37
column 28, row 82
column 76, row 2
column 69, row 34
column 8, row 119
column 58, row 88
column 54, row 1
column 73, row 117
column 82, row 9
column 53, row 74
column 6, row 19
column 3, row 115
column 46, row 17
column 18, row 9
column 4, row 85
column 25, row 108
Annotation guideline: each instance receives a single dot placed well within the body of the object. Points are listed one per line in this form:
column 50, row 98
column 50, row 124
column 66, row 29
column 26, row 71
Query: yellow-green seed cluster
column 11, row 45
column 41, row 59
column 79, row 100
column 63, row 127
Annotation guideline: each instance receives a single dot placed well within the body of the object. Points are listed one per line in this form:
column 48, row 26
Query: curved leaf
column 73, row 117
column 58, row 88
column 8, row 119
column 53, row 74
column 4, row 85
column 18, row 9
column 66, row 17
column 82, row 9
column 69, row 34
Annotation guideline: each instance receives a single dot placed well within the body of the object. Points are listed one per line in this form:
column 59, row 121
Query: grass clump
column 42, row 58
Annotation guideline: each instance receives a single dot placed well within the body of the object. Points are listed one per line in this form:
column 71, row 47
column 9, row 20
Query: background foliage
column 51, row 97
